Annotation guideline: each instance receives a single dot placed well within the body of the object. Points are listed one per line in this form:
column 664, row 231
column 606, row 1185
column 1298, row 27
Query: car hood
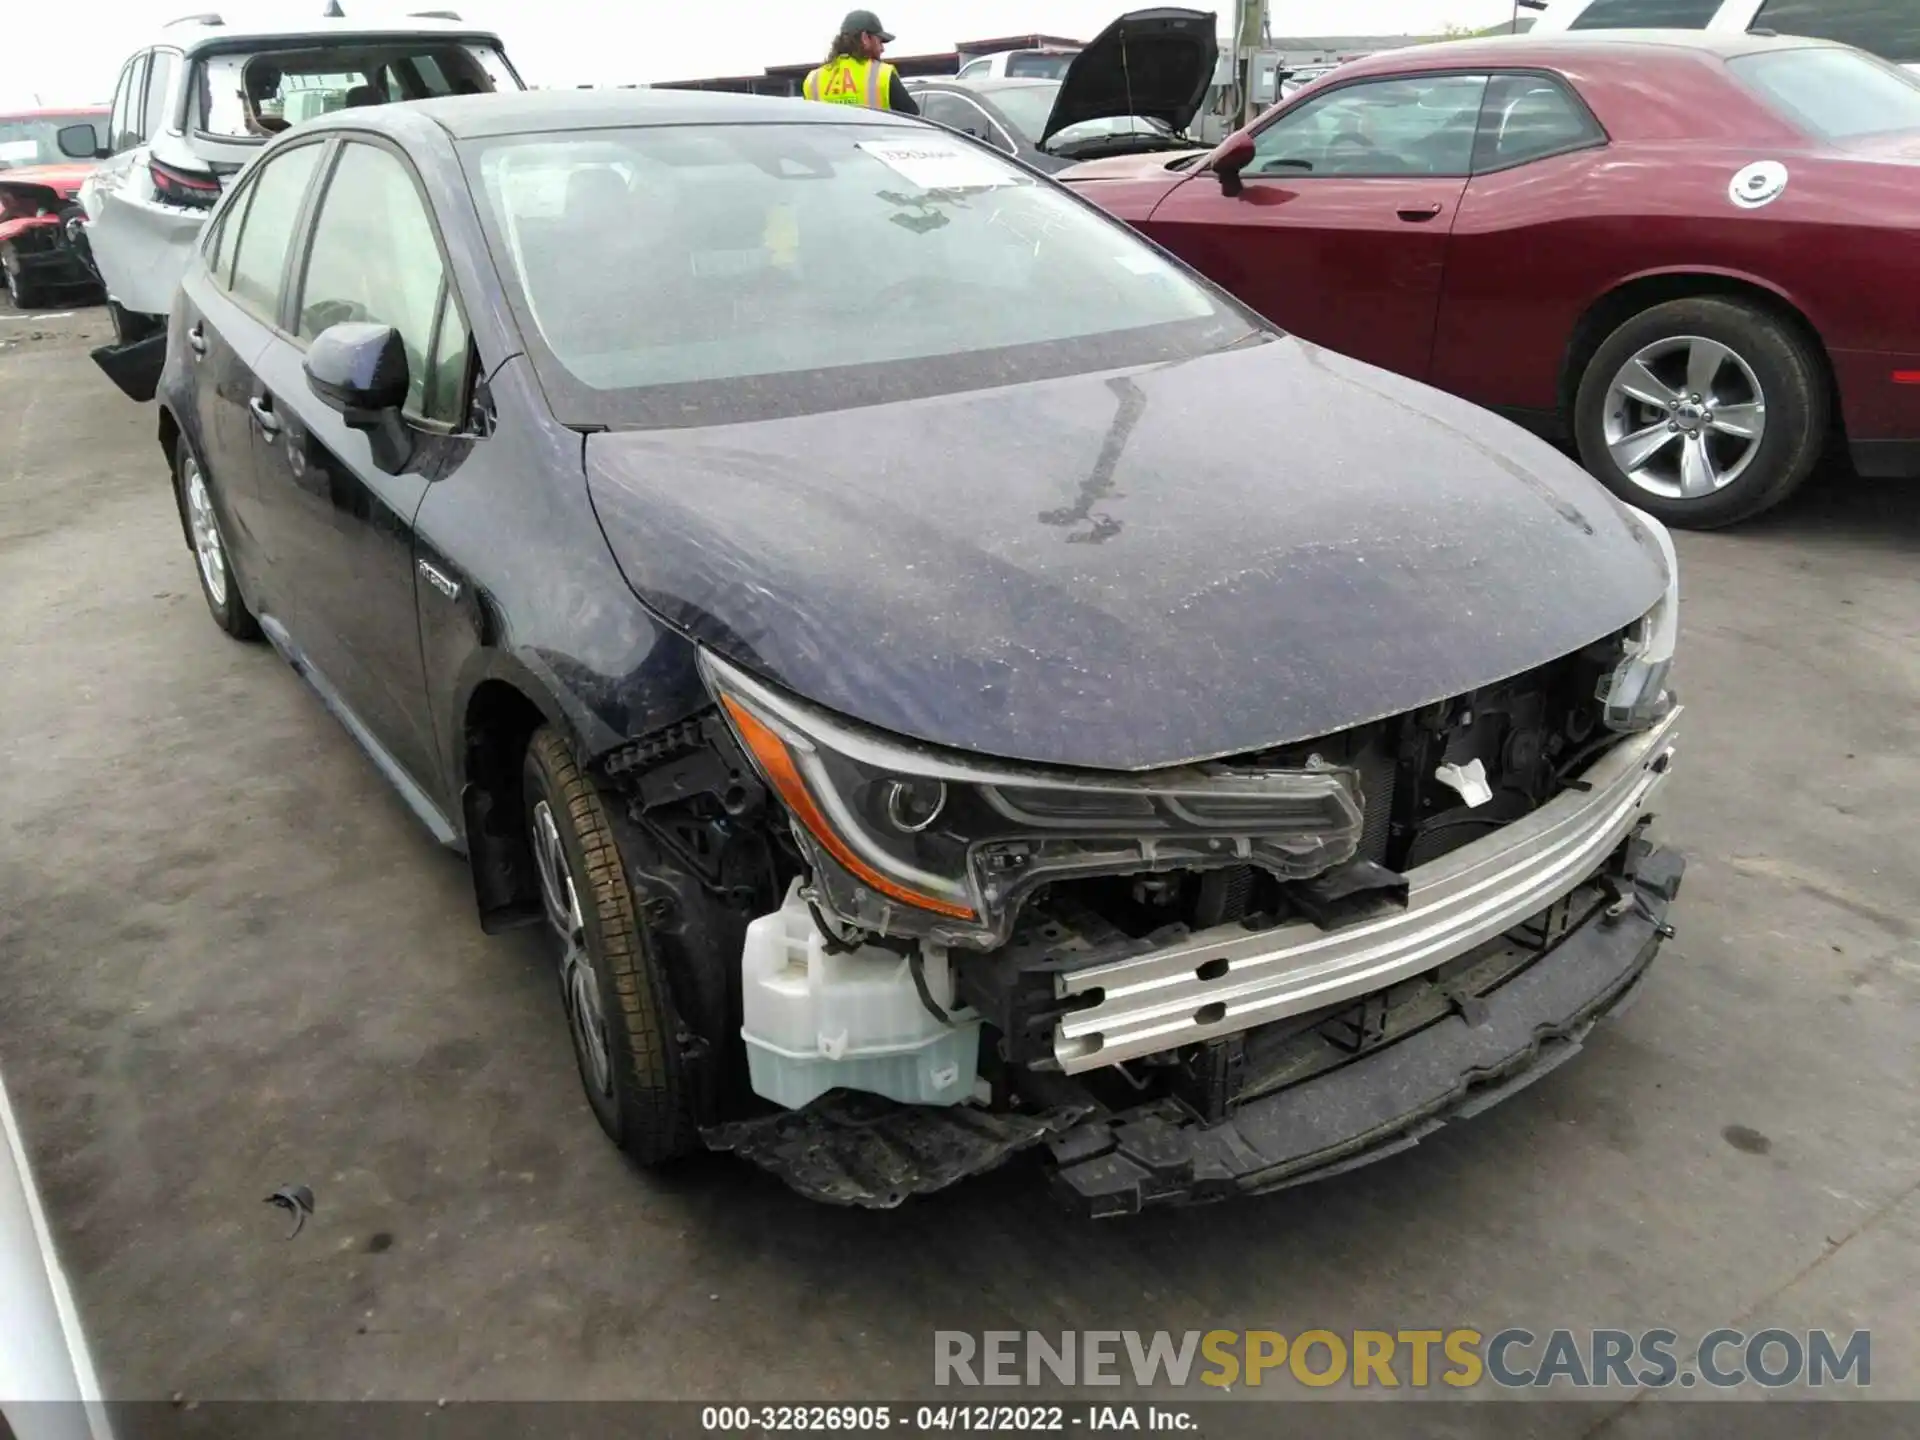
column 1156, row 63
column 1128, row 569
column 1168, row 165
column 63, row 179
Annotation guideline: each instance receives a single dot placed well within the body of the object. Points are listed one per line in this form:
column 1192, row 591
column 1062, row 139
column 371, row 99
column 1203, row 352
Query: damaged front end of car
column 42, row 248
column 1215, row 979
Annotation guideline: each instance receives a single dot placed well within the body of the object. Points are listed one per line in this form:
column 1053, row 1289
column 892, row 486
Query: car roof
column 521, row 112
column 1628, row 47
column 197, row 34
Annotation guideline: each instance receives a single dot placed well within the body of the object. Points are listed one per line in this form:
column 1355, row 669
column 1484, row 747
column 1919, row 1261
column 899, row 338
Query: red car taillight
column 193, row 189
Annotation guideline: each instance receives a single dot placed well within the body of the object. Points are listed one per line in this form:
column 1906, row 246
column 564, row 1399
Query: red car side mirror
column 1229, row 160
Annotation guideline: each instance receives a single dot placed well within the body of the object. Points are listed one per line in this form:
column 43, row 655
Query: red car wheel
column 1704, row 412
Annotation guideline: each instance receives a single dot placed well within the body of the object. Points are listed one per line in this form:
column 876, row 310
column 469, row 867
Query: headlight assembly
column 910, row 840
column 1636, row 692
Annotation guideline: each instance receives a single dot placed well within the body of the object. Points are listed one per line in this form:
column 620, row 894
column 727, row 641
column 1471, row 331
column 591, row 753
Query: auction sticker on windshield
column 940, row 167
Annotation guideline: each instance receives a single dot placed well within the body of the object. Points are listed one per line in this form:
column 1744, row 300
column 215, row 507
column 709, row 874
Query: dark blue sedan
column 949, row 679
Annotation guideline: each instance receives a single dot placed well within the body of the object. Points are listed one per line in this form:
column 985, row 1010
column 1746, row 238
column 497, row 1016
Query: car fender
column 529, row 677
column 20, row 225
column 503, row 894
column 1718, row 272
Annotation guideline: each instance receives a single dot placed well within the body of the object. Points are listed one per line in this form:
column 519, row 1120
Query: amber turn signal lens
column 776, row 763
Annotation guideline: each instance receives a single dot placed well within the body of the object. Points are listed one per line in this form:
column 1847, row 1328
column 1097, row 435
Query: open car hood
column 1157, row 63
column 1129, row 569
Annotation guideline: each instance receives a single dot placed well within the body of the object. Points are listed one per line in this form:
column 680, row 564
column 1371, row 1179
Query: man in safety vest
column 855, row 74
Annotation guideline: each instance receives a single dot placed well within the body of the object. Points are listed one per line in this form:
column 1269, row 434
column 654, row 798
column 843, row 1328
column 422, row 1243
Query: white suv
column 1887, row 28
column 193, row 108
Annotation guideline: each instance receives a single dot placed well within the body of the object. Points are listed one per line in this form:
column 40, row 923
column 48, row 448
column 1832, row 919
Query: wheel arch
column 499, row 714
column 1607, row 312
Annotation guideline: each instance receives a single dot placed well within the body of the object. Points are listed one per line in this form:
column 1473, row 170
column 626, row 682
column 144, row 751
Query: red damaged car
column 1696, row 255
column 41, row 250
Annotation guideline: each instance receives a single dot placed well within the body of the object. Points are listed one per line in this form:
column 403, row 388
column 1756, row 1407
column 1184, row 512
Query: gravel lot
column 230, row 959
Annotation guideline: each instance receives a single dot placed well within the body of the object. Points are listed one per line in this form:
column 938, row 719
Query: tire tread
column 656, row 1121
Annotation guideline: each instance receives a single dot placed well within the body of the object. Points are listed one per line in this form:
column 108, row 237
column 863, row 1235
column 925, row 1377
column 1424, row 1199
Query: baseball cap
column 865, row 22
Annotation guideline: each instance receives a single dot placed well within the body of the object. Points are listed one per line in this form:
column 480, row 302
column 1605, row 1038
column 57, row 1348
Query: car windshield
column 1038, row 64
column 251, row 96
column 33, row 139
column 1833, row 94
column 1029, row 106
column 680, row 275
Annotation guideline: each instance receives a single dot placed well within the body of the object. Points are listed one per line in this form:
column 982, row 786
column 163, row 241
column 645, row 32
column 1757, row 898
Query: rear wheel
column 1704, row 412
column 619, row 1009
column 210, row 553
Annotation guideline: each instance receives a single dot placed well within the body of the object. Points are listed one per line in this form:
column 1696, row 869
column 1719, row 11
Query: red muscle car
column 40, row 247
column 1695, row 255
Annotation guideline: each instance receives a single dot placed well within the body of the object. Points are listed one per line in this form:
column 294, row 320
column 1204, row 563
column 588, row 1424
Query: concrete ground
column 230, row 959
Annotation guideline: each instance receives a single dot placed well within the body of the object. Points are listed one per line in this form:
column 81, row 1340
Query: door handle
column 197, row 340
column 1418, row 213
column 262, row 408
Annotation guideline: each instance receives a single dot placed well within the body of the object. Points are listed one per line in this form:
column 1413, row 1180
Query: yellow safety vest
column 847, row 80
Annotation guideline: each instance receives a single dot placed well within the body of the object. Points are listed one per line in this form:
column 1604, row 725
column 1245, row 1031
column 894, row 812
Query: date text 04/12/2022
column 939, row 1419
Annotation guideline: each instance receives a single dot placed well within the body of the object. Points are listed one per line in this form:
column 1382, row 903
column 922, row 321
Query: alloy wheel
column 1685, row 417
column 207, row 546
column 579, row 984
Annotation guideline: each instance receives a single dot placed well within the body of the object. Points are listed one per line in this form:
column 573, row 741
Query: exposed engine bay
column 927, row 963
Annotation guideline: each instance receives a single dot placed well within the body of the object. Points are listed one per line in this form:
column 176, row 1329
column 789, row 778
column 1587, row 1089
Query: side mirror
column 360, row 370
column 1229, row 160
column 80, row 142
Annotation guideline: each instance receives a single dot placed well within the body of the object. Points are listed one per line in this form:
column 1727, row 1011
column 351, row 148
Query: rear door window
column 260, row 254
column 1888, row 28
column 1646, row 15
column 1527, row 118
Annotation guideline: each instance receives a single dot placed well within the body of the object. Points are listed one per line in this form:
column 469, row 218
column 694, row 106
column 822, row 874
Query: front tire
column 22, row 293
column 213, row 561
column 619, row 1009
column 1704, row 411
